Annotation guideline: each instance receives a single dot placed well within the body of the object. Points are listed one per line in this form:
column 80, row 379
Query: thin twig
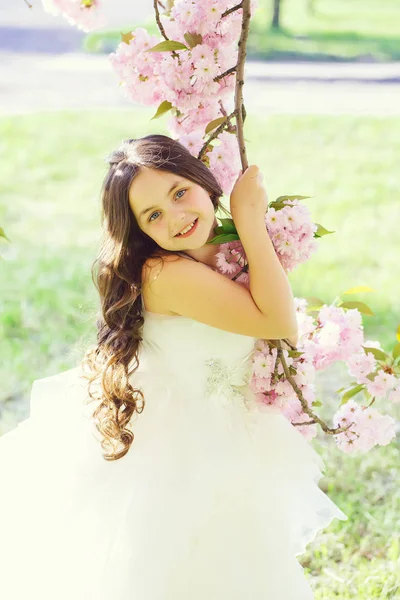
column 231, row 10
column 27, row 3
column 222, row 75
column 215, row 134
column 161, row 27
column 240, row 81
column 231, row 128
column 239, row 68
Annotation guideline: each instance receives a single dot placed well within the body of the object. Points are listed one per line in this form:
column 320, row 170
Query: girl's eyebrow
column 146, row 210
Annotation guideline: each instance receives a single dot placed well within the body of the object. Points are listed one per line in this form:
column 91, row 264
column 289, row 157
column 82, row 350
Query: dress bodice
column 189, row 348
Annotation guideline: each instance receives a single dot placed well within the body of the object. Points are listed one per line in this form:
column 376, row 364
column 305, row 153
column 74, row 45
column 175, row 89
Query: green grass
column 336, row 30
column 52, row 167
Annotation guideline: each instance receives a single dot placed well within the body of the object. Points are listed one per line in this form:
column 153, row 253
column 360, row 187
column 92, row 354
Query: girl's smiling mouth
column 191, row 230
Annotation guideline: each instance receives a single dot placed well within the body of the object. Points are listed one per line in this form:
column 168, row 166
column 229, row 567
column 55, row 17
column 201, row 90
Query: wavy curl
column 116, row 273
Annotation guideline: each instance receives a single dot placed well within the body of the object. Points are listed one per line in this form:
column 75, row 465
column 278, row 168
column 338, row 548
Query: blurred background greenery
column 52, row 167
column 306, row 30
column 50, row 205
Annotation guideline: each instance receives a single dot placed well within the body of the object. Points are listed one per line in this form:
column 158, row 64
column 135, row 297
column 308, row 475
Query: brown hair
column 116, row 273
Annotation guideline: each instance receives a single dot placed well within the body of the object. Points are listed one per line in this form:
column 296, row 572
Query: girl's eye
column 154, row 213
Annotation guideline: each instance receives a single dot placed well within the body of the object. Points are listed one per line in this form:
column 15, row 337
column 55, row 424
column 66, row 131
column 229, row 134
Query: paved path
column 39, row 81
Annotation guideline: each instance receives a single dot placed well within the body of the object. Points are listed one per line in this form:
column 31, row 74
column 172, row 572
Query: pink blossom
column 137, row 68
column 382, row 383
column 305, row 373
column 193, row 141
column 292, row 233
column 329, row 334
column 394, row 395
column 225, row 161
column 360, row 365
column 264, row 364
column 230, row 258
column 85, row 15
column 369, row 428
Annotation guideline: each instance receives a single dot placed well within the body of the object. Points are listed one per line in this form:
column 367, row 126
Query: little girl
column 150, row 471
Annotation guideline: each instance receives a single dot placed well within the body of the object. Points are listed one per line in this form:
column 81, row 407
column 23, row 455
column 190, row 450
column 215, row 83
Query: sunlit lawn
column 332, row 30
column 51, row 171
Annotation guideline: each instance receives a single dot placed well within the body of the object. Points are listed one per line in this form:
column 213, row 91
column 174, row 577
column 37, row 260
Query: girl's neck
column 206, row 254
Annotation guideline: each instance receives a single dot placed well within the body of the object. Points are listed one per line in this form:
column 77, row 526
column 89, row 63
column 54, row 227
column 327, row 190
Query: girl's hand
column 248, row 199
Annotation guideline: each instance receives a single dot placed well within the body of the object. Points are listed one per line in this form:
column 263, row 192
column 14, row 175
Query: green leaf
column 340, row 391
column 360, row 306
column 295, row 353
column 317, row 403
column 127, row 37
column 193, row 39
column 396, row 351
column 276, row 205
column 167, row 46
column 398, row 333
column 218, row 229
column 314, row 303
column 162, row 109
column 358, row 289
column 214, row 124
column 367, row 395
column 280, row 202
column 371, row 376
column 283, row 198
column 378, row 354
column 228, row 226
column 224, row 238
column 2, row 234
column 351, row 392
column 321, row 231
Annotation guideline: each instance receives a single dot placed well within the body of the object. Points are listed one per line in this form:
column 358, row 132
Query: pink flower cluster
column 334, row 335
column 291, row 231
column 84, row 14
column 187, row 83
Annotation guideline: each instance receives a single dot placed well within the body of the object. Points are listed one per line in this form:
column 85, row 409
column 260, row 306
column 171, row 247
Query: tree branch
column 161, row 27
column 231, row 128
column 240, row 81
column 222, row 75
column 231, row 10
column 215, row 134
column 240, row 113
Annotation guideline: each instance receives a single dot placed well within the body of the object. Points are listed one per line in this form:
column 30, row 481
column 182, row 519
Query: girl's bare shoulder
column 154, row 263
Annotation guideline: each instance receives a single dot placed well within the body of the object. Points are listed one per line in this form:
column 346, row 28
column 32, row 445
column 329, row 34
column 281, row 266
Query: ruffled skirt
column 212, row 501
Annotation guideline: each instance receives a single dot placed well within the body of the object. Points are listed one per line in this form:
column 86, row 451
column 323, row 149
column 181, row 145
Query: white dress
column 215, row 499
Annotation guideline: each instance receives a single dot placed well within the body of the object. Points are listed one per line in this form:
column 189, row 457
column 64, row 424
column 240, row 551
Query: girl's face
column 164, row 203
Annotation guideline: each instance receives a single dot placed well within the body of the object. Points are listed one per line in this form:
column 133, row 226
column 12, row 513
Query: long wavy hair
column 117, row 275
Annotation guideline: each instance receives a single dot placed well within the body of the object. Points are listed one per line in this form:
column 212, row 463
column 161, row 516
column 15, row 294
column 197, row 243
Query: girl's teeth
column 187, row 228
